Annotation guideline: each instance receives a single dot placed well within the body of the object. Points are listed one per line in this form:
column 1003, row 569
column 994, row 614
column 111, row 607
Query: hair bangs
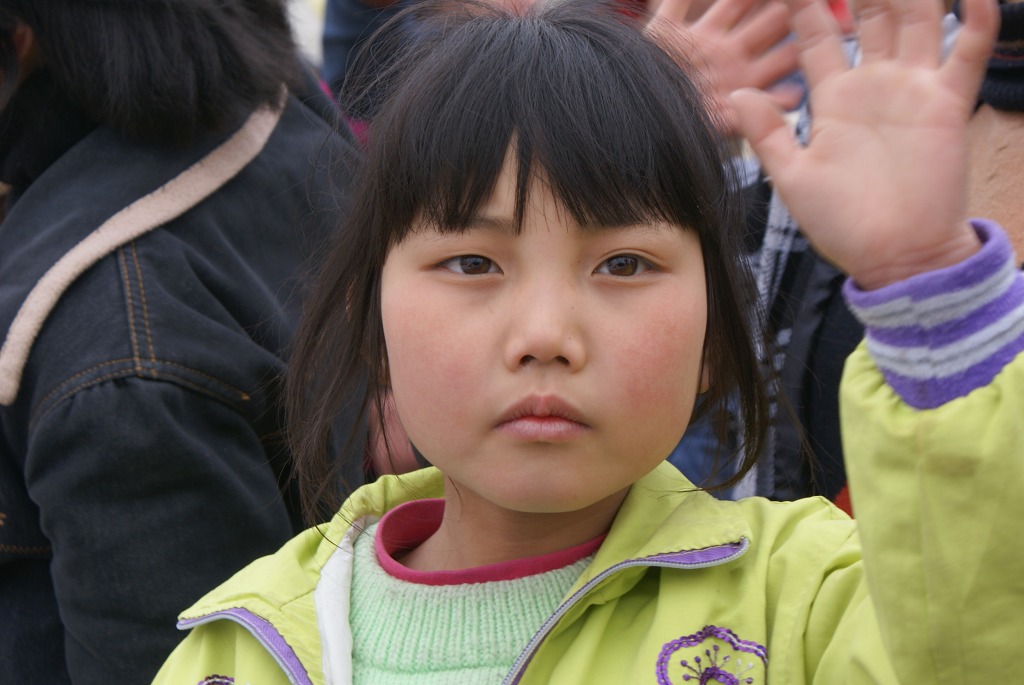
column 541, row 86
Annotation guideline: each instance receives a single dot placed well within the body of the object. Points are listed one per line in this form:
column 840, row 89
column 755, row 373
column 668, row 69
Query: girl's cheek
column 653, row 382
column 662, row 361
column 664, row 377
column 428, row 355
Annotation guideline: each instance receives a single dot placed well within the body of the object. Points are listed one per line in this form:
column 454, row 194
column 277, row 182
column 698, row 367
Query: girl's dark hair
column 592, row 107
column 164, row 70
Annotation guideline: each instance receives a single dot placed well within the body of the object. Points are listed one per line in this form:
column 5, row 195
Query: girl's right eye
column 470, row 265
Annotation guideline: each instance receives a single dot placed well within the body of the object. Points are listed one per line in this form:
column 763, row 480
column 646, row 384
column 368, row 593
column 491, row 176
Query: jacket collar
column 664, row 521
column 664, row 514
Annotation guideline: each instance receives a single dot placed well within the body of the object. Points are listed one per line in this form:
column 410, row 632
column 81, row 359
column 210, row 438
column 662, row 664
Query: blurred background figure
column 307, row 20
column 169, row 167
column 346, row 25
column 997, row 130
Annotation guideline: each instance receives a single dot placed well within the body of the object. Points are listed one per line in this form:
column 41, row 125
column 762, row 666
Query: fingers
column 759, row 45
column 760, row 121
column 819, row 40
column 773, row 66
column 919, row 40
column 911, row 31
column 965, row 66
column 787, row 95
column 876, row 23
column 767, row 26
column 726, row 14
column 673, row 10
column 908, row 29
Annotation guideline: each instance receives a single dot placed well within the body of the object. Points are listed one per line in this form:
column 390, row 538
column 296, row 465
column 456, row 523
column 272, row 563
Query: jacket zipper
column 730, row 552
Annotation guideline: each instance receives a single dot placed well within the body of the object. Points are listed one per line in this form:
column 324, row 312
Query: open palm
column 881, row 187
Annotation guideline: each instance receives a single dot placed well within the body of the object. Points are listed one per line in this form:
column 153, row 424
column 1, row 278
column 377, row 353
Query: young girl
column 538, row 273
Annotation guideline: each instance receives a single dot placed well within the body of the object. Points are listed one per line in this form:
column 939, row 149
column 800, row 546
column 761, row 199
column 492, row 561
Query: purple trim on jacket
column 940, row 335
column 688, row 559
column 266, row 633
column 700, row 557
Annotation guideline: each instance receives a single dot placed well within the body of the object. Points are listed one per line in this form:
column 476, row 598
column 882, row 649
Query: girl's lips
column 543, row 429
column 543, row 419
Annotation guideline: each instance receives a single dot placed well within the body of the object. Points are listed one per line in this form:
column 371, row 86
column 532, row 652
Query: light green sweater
column 406, row 633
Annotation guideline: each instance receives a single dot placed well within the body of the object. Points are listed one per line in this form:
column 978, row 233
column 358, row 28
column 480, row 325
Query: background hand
column 733, row 44
column 881, row 188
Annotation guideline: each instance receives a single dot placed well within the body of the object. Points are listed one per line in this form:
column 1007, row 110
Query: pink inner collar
column 408, row 525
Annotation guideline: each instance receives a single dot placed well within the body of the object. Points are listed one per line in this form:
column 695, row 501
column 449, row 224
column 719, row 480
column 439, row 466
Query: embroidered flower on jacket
column 711, row 655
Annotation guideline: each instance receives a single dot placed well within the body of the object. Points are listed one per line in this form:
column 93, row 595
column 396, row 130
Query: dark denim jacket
column 141, row 456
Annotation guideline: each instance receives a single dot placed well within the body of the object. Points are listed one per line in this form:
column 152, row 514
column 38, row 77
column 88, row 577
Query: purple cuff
column 939, row 335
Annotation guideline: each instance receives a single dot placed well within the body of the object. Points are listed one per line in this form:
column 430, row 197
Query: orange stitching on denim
column 102, row 379
column 78, row 388
column 131, row 309
column 145, row 307
column 241, row 393
column 88, row 384
column 72, row 379
column 199, row 388
column 18, row 549
column 242, row 396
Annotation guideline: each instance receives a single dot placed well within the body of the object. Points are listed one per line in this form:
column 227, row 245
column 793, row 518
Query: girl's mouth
column 543, row 419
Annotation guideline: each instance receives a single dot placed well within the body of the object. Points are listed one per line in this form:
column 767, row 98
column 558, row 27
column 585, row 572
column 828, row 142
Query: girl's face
column 544, row 372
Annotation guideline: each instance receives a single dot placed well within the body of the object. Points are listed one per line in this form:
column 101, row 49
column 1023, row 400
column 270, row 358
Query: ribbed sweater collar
column 405, row 632
column 408, row 525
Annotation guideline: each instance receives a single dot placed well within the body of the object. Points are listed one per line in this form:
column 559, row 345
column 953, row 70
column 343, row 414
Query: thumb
column 761, row 122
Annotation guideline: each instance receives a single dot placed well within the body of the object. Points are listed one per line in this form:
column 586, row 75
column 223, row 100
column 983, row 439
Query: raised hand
column 881, row 188
column 734, row 44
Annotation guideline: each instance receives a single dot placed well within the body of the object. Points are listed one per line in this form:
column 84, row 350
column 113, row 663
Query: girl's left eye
column 470, row 265
column 624, row 265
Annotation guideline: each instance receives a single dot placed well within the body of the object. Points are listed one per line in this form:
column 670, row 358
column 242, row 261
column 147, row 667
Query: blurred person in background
column 997, row 129
column 169, row 167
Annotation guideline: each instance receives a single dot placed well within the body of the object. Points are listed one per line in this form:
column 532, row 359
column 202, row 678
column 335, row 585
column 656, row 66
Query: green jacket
column 760, row 591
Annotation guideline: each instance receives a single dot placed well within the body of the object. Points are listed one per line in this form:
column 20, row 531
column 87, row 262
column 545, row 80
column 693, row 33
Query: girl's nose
column 546, row 329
